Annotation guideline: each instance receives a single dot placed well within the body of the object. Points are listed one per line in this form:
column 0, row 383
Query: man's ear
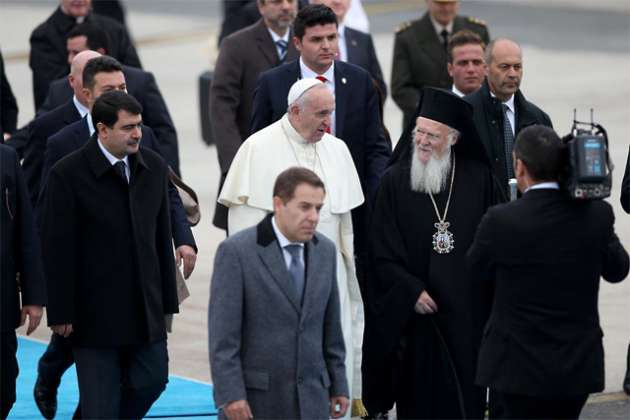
column 297, row 43
column 449, row 68
column 520, row 170
column 101, row 129
column 277, row 202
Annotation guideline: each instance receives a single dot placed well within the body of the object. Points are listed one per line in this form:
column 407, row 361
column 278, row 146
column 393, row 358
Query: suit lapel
column 273, row 260
column 266, row 45
column 71, row 114
column 431, row 43
column 352, row 44
column 342, row 95
column 83, row 133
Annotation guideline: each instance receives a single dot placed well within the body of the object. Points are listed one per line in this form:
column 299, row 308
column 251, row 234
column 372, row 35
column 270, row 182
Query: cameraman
column 541, row 353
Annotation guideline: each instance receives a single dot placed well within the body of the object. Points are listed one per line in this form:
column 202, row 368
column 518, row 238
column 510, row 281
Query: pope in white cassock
column 300, row 138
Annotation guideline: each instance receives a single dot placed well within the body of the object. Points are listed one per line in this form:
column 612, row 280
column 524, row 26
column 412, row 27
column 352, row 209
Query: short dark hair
column 289, row 179
column 463, row 37
column 542, row 152
column 106, row 107
column 102, row 64
column 95, row 37
column 312, row 15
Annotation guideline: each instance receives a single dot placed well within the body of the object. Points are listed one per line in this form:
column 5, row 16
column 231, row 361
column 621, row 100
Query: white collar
column 439, row 27
column 307, row 72
column 341, row 30
column 81, row 109
column 291, row 132
column 111, row 158
column 544, row 186
column 282, row 240
column 457, row 91
column 90, row 123
column 277, row 37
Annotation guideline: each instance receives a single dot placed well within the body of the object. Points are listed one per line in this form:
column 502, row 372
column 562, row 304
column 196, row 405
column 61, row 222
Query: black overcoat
column 20, row 252
column 109, row 262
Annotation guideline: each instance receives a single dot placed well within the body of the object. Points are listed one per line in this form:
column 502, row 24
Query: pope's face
column 430, row 138
column 316, row 116
column 297, row 218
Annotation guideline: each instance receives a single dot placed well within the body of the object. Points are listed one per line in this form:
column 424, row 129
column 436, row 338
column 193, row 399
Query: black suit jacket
column 49, row 57
column 625, row 187
column 361, row 52
column 40, row 130
column 357, row 115
column 19, row 245
column 488, row 117
column 75, row 135
column 109, row 261
column 142, row 86
column 8, row 105
column 545, row 253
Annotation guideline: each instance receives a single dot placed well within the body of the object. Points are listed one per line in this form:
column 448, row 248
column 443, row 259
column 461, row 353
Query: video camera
column 588, row 173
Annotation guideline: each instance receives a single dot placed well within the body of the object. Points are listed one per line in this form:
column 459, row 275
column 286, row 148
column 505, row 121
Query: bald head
column 505, row 67
column 76, row 73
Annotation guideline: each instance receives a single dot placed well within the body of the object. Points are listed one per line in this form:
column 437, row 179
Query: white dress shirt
column 81, row 109
column 113, row 159
column 283, row 241
column 543, row 186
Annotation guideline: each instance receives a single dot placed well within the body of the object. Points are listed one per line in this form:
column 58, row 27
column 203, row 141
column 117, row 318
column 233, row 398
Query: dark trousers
column 516, row 406
column 55, row 361
column 121, row 382
column 8, row 371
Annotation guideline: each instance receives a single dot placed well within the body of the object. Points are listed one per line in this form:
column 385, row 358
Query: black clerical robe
column 411, row 359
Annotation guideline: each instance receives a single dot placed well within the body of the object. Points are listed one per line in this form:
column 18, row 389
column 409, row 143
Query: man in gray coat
column 276, row 346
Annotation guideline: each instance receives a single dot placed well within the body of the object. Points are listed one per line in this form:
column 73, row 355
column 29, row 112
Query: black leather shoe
column 626, row 381
column 45, row 398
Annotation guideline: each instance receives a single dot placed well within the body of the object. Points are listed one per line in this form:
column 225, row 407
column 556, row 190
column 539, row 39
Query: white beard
column 430, row 177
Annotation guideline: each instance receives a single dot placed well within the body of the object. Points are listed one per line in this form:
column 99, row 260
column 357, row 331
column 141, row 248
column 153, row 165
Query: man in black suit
column 100, row 75
column 356, row 118
column 48, row 43
column 541, row 353
column 420, row 53
column 355, row 47
column 8, row 105
column 243, row 56
column 21, row 275
column 500, row 109
column 110, row 197
column 141, row 84
column 41, row 128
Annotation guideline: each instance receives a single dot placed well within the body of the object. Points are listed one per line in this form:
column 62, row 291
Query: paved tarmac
column 576, row 55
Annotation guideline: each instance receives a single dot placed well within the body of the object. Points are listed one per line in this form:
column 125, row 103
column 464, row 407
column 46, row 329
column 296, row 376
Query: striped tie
column 508, row 138
column 283, row 46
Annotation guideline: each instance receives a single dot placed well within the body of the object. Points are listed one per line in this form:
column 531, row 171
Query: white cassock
column 248, row 191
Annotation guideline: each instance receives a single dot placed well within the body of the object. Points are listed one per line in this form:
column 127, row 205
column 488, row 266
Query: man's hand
column 63, row 330
column 338, row 406
column 188, row 254
column 34, row 313
column 238, row 410
column 425, row 304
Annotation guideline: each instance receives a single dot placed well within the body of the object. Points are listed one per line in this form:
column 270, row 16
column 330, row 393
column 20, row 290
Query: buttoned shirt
column 81, row 109
column 113, row 159
column 283, row 241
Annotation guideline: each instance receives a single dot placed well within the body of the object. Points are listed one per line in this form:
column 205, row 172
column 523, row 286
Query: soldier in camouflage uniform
column 420, row 52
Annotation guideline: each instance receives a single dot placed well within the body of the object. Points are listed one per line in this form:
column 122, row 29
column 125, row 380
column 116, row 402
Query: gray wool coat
column 285, row 357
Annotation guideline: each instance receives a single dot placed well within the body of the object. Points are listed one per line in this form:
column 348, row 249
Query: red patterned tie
column 323, row 80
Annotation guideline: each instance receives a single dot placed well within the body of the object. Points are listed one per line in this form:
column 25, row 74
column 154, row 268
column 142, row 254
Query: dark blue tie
column 283, row 46
column 120, row 169
column 296, row 268
column 508, row 138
